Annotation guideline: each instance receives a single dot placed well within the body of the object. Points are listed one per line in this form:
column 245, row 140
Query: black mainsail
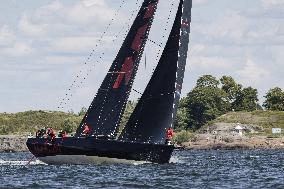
column 155, row 111
column 104, row 113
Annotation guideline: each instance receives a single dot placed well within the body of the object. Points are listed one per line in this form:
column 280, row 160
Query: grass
column 183, row 136
column 265, row 119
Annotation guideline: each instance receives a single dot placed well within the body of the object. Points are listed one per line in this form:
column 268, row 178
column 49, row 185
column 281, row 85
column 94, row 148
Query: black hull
column 91, row 147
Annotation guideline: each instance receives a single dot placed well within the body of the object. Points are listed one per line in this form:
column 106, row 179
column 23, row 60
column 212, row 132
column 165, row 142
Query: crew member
column 62, row 134
column 86, row 129
column 51, row 134
column 39, row 134
column 169, row 135
column 43, row 132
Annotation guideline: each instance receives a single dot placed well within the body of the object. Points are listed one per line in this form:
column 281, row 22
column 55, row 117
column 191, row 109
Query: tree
column 83, row 111
column 207, row 81
column 130, row 106
column 206, row 102
column 274, row 99
column 69, row 125
column 230, row 87
column 182, row 119
column 246, row 99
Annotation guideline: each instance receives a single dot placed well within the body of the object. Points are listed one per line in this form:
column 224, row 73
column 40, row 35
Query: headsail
column 154, row 111
column 104, row 113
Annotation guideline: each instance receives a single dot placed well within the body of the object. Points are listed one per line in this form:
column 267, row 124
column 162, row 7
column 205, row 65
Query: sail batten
column 104, row 113
column 155, row 111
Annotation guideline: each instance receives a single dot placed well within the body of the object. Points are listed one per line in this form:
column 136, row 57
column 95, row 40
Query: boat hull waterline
column 90, row 150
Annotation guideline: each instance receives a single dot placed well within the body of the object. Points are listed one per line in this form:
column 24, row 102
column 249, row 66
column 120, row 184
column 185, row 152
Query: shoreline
column 14, row 143
column 257, row 142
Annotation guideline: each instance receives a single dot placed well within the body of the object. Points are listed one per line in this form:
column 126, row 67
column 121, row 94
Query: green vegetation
column 211, row 100
column 274, row 99
column 127, row 113
column 31, row 121
column 263, row 121
column 183, row 136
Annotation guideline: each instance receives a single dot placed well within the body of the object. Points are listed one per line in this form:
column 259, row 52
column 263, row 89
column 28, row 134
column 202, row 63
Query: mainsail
column 155, row 111
column 104, row 113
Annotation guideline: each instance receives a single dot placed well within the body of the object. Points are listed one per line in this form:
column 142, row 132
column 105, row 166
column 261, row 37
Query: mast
column 105, row 111
column 155, row 111
column 183, row 50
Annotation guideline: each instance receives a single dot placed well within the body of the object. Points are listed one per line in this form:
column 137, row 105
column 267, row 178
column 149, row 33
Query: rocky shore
column 12, row 143
column 258, row 142
column 225, row 136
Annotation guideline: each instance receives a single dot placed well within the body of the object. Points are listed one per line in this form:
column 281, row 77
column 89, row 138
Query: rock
column 13, row 144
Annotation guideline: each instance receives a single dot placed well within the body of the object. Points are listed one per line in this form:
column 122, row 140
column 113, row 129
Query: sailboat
column 143, row 137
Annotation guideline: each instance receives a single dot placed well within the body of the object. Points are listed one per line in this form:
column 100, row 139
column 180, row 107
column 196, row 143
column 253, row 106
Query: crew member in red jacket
column 169, row 135
column 51, row 134
column 86, row 129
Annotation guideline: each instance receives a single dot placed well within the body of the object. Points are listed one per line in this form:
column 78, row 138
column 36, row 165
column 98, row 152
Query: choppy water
column 189, row 169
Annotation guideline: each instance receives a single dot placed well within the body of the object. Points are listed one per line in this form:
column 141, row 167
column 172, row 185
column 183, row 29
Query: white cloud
column 253, row 73
column 210, row 63
column 273, row 3
column 200, row 2
column 18, row 49
column 80, row 13
column 80, row 44
column 231, row 27
column 7, row 36
column 28, row 28
column 89, row 3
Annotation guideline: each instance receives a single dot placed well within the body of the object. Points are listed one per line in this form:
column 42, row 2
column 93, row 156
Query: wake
column 20, row 163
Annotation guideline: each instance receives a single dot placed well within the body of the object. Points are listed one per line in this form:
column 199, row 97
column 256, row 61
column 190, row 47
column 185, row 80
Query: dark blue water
column 189, row 169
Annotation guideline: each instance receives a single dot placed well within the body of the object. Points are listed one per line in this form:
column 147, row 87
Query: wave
column 176, row 160
column 21, row 163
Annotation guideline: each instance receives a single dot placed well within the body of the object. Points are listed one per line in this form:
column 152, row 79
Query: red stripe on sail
column 126, row 71
column 150, row 10
column 139, row 37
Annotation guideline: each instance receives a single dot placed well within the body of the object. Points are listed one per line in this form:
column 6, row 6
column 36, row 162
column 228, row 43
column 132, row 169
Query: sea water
column 188, row 169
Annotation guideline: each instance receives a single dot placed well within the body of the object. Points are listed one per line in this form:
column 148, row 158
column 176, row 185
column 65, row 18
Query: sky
column 47, row 45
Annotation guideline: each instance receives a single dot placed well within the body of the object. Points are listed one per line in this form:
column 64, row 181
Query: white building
column 240, row 129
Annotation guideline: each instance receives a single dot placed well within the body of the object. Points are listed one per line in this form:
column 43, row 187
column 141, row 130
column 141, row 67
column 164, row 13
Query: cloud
column 253, row 73
column 89, row 3
column 272, row 3
column 231, row 27
column 210, row 63
column 200, row 2
column 79, row 44
column 7, row 36
column 80, row 13
column 18, row 49
column 28, row 28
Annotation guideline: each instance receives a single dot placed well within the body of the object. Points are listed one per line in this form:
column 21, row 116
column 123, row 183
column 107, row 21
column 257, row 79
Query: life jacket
column 63, row 134
column 86, row 129
column 169, row 133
